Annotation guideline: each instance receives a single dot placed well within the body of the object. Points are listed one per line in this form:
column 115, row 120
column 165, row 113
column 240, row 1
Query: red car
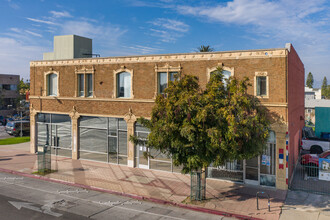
column 311, row 162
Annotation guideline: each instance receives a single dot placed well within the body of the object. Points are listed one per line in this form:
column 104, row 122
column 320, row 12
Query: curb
column 137, row 197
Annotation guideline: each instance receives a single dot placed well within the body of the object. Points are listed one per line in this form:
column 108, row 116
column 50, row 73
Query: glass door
column 142, row 162
column 252, row 171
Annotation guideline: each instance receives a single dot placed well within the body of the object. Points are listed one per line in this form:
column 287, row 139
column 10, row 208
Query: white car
column 312, row 143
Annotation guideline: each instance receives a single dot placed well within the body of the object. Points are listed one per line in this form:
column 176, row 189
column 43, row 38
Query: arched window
column 52, row 84
column 226, row 75
column 124, row 85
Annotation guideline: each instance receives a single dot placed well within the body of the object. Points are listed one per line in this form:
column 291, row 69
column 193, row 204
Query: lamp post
column 21, row 133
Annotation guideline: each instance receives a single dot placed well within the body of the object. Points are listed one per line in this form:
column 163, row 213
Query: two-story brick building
column 87, row 108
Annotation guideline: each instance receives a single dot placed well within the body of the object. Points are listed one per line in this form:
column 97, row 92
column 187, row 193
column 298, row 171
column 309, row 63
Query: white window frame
column 115, row 82
column 165, row 69
column 85, row 72
column 264, row 74
column 212, row 69
column 46, row 86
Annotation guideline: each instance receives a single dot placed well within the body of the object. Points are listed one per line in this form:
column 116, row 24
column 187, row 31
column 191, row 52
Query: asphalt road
column 28, row 198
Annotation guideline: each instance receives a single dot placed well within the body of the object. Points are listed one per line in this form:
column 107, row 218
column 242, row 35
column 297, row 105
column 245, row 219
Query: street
column 28, row 198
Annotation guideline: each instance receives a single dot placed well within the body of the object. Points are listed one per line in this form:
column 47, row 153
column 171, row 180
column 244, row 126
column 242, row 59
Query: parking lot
column 3, row 133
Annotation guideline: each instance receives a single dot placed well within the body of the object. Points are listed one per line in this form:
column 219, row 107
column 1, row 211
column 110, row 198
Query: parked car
column 14, row 128
column 312, row 143
column 311, row 162
column 2, row 120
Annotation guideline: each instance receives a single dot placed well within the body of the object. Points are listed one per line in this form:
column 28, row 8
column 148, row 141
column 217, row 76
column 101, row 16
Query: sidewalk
column 224, row 197
column 306, row 206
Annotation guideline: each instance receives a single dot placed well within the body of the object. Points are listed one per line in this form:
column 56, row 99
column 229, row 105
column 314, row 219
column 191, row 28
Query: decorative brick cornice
column 248, row 54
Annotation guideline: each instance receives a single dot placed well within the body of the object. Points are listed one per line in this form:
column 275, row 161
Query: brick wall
column 296, row 103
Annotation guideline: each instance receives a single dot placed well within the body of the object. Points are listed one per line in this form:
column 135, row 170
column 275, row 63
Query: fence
column 198, row 183
column 310, row 178
column 44, row 159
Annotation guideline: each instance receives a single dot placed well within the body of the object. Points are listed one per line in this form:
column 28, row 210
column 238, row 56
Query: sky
column 139, row 27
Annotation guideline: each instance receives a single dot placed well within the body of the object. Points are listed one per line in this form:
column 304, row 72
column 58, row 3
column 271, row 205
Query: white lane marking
column 109, row 203
column 44, row 209
column 71, row 191
column 87, row 200
column 11, row 178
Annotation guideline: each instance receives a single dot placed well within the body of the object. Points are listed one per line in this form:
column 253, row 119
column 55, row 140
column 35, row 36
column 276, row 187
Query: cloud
column 171, row 24
column 139, row 49
column 13, row 5
column 304, row 23
column 42, row 21
column 61, row 14
column 15, row 56
column 33, row 33
column 168, row 30
column 83, row 28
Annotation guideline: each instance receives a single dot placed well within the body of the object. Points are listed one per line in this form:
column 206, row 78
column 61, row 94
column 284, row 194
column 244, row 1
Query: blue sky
column 136, row 27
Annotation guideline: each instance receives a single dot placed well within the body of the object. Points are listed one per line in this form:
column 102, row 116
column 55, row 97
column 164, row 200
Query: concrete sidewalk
column 306, row 206
column 223, row 197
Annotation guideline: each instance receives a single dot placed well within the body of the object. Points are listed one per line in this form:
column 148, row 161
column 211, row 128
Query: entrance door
column 61, row 140
column 142, row 162
column 252, row 171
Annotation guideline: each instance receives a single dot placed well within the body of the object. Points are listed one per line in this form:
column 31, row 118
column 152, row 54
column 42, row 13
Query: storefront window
column 229, row 171
column 268, row 163
column 159, row 161
column 103, row 139
column 55, row 130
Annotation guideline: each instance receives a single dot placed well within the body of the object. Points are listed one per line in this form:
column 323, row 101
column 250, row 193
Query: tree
column 310, row 80
column 324, row 88
column 22, row 89
column 204, row 48
column 199, row 127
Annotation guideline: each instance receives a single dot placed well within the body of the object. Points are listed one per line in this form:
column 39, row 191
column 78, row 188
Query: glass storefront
column 229, row 171
column 55, row 130
column 159, row 161
column 103, row 139
column 260, row 170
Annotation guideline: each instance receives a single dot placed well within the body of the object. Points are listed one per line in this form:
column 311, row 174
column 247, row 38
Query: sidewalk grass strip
column 14, row 140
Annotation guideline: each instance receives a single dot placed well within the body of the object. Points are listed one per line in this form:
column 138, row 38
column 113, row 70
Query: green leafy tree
column 324, row 88
column 22, row 89
column 198, row 127
column 310, row 80
column 204, row 48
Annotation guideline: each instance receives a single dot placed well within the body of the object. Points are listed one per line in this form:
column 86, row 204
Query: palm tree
column 204, row 48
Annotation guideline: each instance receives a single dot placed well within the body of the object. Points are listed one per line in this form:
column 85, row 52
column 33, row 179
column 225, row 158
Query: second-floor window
column 12, row 87
column 124, row 85
column 163, row 79
column 52, row 84
column 261, row 85
column 81, row 85
column 226, row 75
column 85, row 85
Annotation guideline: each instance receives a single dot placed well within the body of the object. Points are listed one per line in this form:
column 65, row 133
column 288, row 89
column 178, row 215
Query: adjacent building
column 8, row 93
column 86, row 108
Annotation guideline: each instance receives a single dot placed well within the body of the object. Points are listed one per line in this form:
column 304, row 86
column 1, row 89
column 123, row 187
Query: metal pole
column 21, row 125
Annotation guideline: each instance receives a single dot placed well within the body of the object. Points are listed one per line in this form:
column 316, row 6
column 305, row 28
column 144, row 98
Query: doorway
column 252, row 171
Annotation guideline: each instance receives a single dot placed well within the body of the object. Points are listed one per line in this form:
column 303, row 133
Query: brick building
column 87, row 108
column 8, row 93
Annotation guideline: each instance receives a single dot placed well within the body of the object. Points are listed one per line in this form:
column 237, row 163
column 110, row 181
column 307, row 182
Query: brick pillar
column 130, row 120
column 280, row 132
column 33, row 130
column 74, row 133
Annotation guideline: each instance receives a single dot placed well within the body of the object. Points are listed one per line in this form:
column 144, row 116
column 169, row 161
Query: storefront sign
column 324, row 169
column 265, row 160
